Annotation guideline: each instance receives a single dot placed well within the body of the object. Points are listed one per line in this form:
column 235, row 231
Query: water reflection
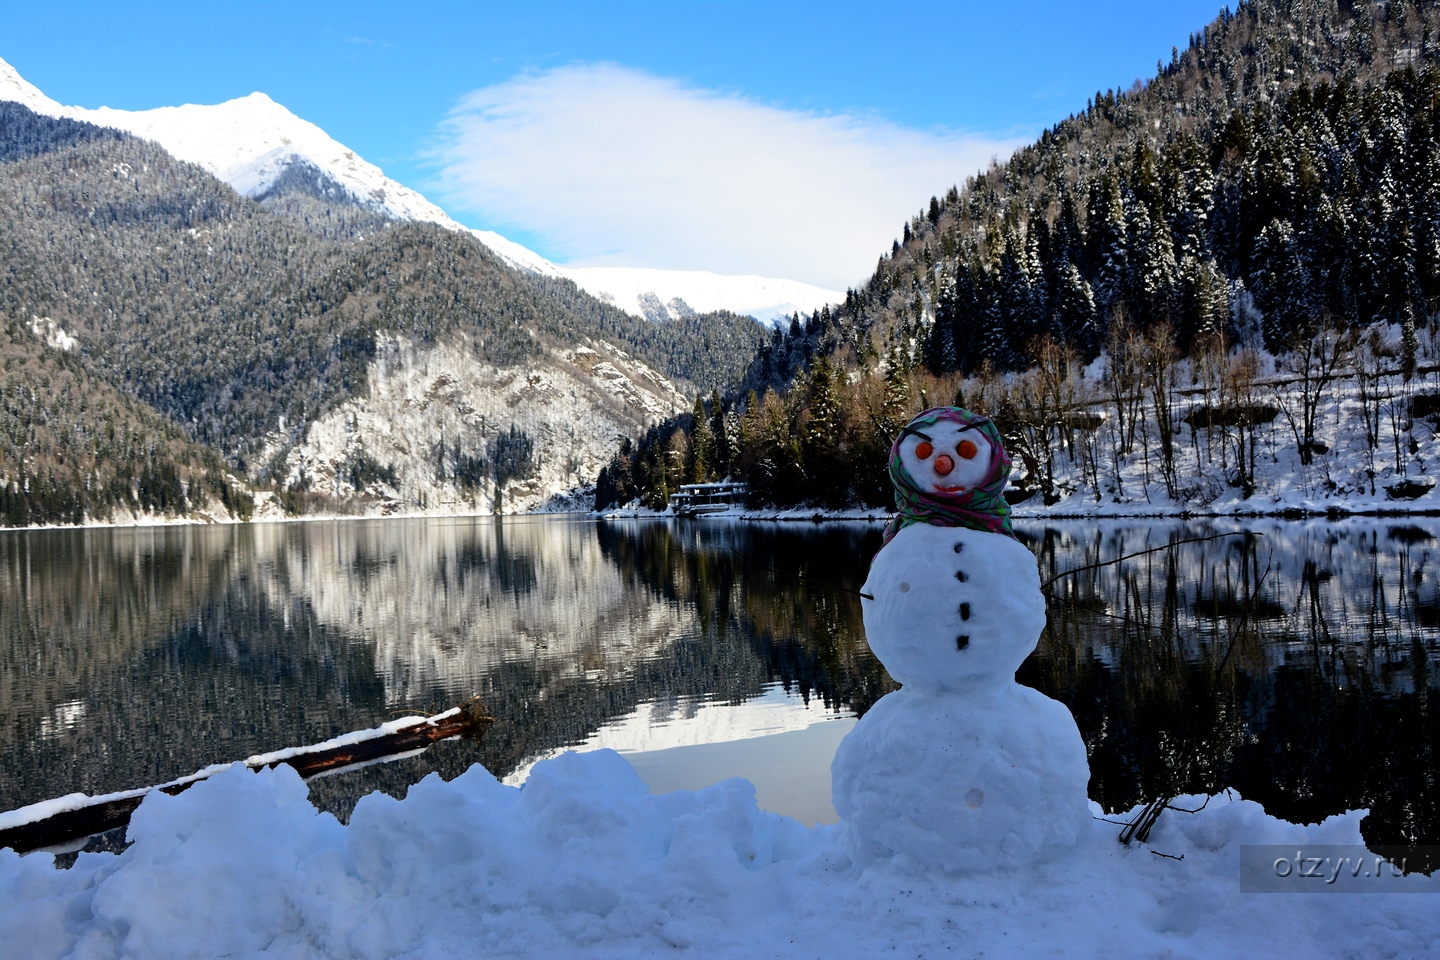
column 133, row 656
column 1291, row 661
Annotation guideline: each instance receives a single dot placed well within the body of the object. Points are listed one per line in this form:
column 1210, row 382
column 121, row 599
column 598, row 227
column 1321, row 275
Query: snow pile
column 582, row 862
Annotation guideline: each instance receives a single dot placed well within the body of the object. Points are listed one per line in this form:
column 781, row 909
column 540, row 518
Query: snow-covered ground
column 249, row 142
column 584, row 862
column 1350, row 477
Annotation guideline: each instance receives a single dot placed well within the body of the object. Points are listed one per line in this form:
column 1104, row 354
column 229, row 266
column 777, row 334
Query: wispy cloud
column 614, row 166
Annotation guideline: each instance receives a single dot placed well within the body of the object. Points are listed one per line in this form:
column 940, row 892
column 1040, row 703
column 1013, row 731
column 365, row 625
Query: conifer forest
column 1226, row 271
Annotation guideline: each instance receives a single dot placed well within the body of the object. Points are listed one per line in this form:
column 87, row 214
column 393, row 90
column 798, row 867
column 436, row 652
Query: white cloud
column 614, row 166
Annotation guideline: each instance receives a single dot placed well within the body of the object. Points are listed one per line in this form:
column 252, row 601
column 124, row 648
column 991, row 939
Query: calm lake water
column 1290, row 661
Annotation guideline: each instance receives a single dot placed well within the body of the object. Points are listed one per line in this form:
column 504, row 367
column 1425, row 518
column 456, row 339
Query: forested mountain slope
column 72, row 445
column 243, row 322
column 1290, row 151
column 1278, row 178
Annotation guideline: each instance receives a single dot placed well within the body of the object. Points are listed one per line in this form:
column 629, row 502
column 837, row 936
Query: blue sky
column 440, row 95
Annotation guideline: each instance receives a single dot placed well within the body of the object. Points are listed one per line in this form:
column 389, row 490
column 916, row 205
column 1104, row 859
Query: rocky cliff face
column 427, row 436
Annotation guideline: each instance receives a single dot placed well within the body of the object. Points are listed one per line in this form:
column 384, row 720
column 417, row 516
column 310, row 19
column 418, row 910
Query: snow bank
column 583, row 862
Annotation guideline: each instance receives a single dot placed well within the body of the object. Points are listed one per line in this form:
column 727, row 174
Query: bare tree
column 1239, row 394
column 1208, row 363
column 1159, row 356
column 1316, row 355
column 1369, row 366
column 1125, row 380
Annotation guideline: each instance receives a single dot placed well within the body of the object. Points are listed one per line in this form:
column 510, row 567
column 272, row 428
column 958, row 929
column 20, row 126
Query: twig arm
column 1140, row 553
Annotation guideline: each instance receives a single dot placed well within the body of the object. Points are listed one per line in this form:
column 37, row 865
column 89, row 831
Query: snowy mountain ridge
column 247, row 142
column 649, row 292
column 251, row 141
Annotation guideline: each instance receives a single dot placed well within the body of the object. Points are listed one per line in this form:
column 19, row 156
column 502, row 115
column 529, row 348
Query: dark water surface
column 1292, row 663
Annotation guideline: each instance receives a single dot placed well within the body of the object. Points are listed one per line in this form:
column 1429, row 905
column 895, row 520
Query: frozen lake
column 1293, row 662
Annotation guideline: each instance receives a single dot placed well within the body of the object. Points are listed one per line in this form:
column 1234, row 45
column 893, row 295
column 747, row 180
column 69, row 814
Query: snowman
column 962, row 769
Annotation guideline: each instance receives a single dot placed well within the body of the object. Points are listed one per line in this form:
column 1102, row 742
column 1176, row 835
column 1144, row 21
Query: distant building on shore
column 696, row 499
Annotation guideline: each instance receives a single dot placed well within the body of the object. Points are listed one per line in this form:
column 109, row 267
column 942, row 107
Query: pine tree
column 701, row 453
column 723, row 464
column 820, row 446
column 1108, row 244
column 1190, row 224
column 1281, row 289
column 1067, row 239
column 1075, row 312
column 941, row 354
column 995, row 341
column 1156, row 270
column 1203, row 308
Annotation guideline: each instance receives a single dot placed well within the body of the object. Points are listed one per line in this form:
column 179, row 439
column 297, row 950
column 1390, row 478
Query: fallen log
column 53, row 823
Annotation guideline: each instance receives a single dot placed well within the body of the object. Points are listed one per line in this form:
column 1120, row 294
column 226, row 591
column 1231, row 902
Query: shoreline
column 1023, row 512
column 315, row 518
column 1289, row 511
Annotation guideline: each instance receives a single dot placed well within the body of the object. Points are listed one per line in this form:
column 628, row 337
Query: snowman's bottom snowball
column 980, row 780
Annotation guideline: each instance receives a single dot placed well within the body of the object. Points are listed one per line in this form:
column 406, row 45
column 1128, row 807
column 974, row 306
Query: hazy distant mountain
column 262, row 150
column 671, row 294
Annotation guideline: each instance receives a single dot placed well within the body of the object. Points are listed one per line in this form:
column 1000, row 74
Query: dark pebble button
column 964, row 611
column 960, row 575
column 962, row 641
column 959, row 547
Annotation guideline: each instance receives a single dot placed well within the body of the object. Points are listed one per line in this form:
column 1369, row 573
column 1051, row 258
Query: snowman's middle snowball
column 928, row 595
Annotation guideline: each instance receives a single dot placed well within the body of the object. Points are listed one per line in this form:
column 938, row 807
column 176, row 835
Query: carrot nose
column 943, row 464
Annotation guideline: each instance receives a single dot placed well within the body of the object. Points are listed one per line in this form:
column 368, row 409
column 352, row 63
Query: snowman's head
column 950, row 468
column 947, row 457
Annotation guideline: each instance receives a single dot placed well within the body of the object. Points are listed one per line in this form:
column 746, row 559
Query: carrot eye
column 924, row 450
column 967, row 449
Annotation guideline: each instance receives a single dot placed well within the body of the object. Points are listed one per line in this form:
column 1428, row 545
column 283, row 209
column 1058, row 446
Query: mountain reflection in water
column 1291, row 663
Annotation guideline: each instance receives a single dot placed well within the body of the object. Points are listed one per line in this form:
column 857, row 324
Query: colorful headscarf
column 981, row 508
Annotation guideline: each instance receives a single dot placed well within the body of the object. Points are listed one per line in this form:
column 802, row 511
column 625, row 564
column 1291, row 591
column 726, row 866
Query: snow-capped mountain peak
column 251, row 141
column 16, row 88
column 248, row 142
